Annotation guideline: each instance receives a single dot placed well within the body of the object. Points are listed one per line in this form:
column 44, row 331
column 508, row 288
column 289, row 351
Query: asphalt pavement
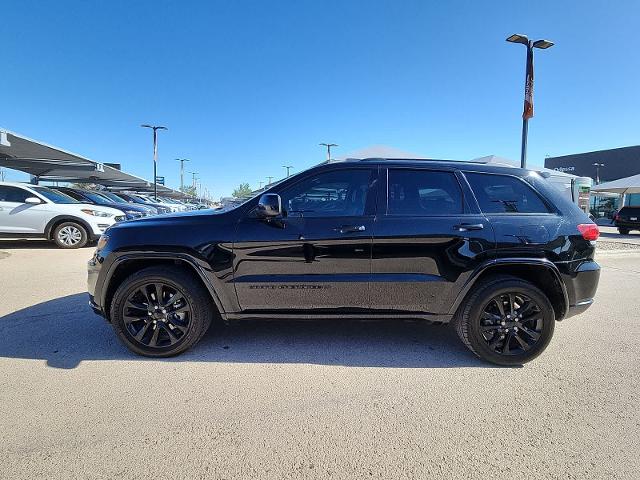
column 276, row 400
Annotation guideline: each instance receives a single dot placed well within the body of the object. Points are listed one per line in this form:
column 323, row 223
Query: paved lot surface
column 310, row 400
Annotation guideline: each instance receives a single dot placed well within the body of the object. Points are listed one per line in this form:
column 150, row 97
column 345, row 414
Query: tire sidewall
column 474, row 310
column 83, row 232
column 117, row 319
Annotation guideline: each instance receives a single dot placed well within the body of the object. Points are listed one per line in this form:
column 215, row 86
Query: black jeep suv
column 496, row 251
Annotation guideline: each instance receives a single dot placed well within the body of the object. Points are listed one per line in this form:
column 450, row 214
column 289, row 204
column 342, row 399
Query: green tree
column 189, row 190
column 243, row 191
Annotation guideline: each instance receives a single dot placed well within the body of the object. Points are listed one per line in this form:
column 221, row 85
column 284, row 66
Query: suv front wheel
column 161, row 311
column 506, row 321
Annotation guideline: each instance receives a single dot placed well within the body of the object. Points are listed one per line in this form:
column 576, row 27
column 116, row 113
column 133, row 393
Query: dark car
column 627, row 219
column 115, row 198
column 496, row 251
column 131, row 211
column 130, row 198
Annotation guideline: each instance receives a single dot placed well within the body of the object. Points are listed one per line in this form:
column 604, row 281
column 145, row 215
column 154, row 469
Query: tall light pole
column 269, row 181
column 155, row 157
column 193, row 179
column 329, row 145
column 182, row 160
column 598, row 165
column 528, row 87
column 260, row 187
column 288, row 167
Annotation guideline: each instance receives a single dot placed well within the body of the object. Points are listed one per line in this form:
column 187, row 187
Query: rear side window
column 14, row 194
column 423, row 193
column 505, row 194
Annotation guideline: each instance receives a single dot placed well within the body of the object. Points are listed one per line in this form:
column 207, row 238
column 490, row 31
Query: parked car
column 32, row 211
column 115, row 198
column 170, row 205
column 498, row 252
column 131, row 211
column 127, row 197
column 627, row 219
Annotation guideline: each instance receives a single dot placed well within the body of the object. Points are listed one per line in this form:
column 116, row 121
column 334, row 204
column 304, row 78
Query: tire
column 623, row 231
column 476, row 317
column 186, row 331
column 70, row 235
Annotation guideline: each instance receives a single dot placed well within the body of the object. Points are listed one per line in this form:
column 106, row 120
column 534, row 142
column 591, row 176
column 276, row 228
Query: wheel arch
column 128, row 265
column 55, row 221
column 540, row 272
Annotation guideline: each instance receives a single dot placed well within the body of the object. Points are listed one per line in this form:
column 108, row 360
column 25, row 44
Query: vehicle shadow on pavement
column 65, row 332
column 8, row 245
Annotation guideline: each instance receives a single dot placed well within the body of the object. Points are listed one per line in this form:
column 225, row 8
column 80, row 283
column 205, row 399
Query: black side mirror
column 269, row 206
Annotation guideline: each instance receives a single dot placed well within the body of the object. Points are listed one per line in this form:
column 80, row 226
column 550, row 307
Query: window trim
column 465, row 206
column 552, row 210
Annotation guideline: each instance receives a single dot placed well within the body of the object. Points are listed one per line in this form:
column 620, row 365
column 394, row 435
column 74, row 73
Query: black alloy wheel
column 511, row 323
column 161, row 311
column 157, row 315
column 506, row 320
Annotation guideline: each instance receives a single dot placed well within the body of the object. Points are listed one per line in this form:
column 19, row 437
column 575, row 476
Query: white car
column 32, row 211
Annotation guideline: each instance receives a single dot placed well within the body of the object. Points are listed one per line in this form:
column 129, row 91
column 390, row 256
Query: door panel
column 419, row 264
column 317, row 256
column 427, row 241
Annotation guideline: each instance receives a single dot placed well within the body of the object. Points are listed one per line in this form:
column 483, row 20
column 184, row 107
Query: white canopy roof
column 622, row 185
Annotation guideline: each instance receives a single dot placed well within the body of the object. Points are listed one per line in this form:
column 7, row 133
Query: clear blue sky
column 246, row 87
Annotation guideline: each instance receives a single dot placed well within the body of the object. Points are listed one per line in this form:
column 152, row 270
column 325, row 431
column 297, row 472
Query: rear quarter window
column 630, row 211
column 505, row 194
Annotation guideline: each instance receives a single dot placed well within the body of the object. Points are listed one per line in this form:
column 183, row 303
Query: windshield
column 113, row 197
column 54, row 196
column 99, row 199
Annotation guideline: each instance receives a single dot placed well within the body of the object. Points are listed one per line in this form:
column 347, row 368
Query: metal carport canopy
column 53, row 164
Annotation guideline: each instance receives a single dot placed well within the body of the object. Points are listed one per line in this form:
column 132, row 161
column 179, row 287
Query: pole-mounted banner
column 528, row 86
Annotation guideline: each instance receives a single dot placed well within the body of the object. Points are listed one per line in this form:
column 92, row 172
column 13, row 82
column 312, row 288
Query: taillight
column 589, row 231
column 616, row 217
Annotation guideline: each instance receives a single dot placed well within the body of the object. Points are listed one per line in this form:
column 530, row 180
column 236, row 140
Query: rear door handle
column 465, row 227
column 350, row 228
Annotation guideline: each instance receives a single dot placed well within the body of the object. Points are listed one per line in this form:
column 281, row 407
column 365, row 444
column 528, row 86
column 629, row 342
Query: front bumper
column 581, row 281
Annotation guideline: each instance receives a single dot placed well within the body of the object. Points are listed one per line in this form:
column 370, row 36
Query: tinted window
column 505, row 194
column 14, row 194
column 341, row 193
column 423, row 192
column 630, row 211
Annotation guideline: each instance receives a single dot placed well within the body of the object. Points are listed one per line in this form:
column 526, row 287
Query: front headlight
column 97, row 213
column 102, row 242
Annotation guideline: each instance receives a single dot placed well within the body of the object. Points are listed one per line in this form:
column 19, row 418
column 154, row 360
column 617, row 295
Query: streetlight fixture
column 269, row 182
column 288, row 167
column 193, row 180
column 528, row 86
column 329, row 145
column 155, row 156
column 598, row 165
column 182, row 160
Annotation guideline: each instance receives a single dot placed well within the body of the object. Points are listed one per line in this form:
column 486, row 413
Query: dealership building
column 602, row 166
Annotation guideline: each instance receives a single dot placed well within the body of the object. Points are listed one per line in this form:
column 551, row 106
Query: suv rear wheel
column 506, row 321
column 70, row 235
column 623, row 231
column 161, row 311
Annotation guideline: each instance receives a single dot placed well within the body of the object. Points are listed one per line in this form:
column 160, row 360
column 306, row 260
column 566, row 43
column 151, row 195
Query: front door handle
column 350, row 228
column 465, row 227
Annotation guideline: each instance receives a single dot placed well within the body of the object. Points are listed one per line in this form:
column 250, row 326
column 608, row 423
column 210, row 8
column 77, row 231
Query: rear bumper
column 581, row 283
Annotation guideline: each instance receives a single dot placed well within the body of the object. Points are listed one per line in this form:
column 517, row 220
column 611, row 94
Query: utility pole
column 261, row 182
column 269, row 182
column 288, row 167
column 182, row 160
column 155, row 157
column 329, row 145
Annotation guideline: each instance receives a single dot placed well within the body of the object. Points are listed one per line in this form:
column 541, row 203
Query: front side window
column 505, row 194
column 341, row 193
column 14, row 194
column 423, row 193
